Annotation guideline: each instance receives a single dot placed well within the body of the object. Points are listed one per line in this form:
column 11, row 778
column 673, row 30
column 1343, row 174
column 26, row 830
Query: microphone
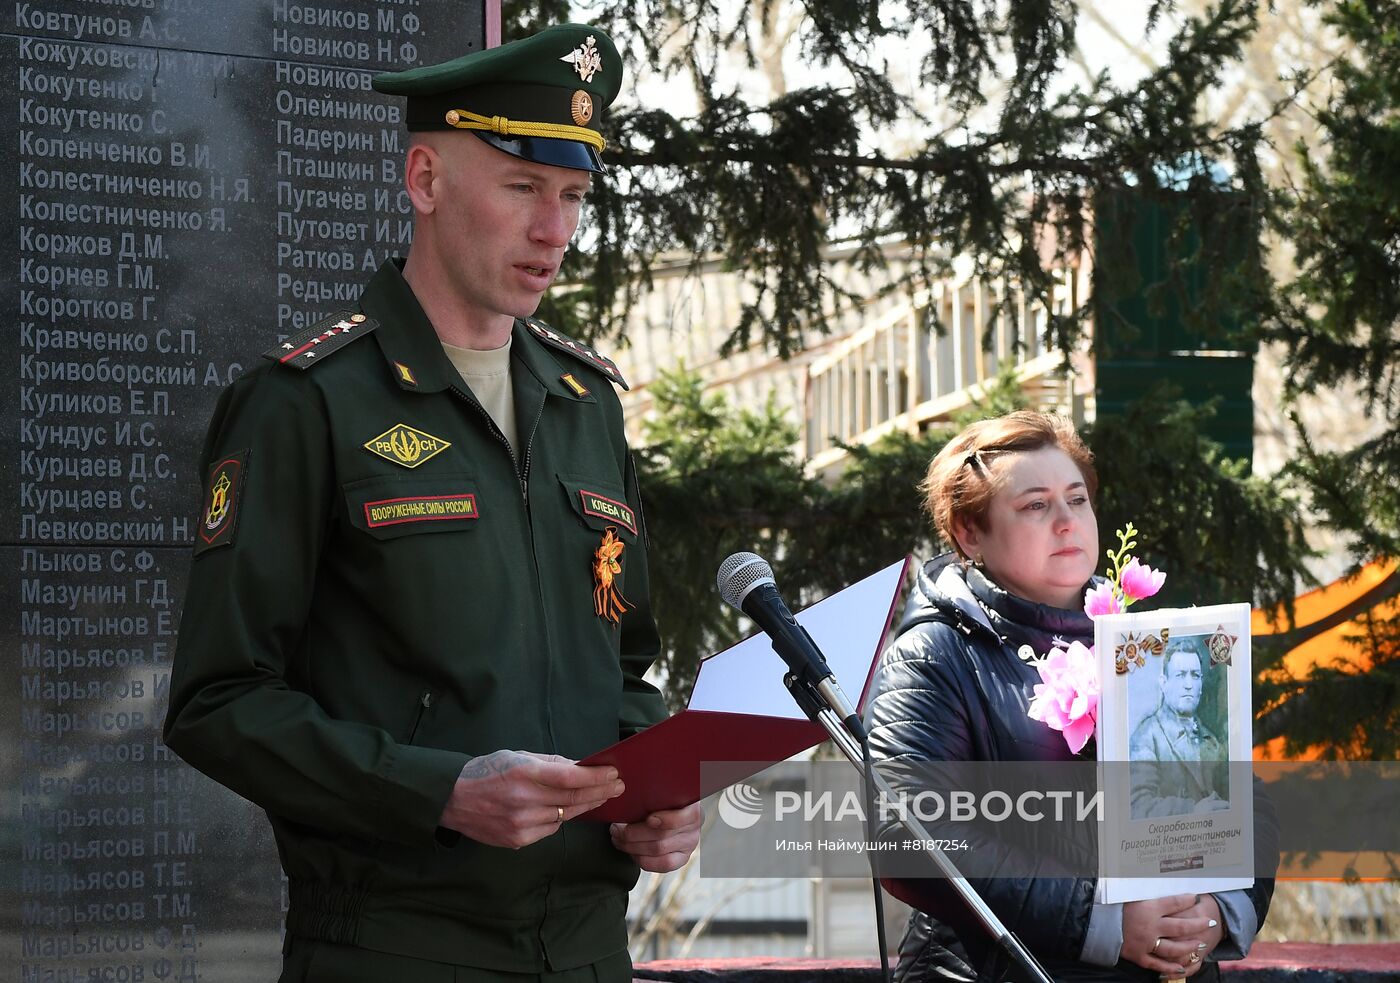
column 745, row 582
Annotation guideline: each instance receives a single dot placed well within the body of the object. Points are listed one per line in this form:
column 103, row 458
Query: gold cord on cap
column 464, row 119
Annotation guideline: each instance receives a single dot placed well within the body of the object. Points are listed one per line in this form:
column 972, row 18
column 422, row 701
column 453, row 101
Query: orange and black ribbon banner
column 608, row 601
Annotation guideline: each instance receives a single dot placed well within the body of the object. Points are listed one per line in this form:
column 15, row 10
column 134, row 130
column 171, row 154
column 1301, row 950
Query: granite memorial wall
column 185, row 182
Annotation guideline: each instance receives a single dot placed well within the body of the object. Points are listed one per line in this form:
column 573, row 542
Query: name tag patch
column 421, row 508
column 608, row 508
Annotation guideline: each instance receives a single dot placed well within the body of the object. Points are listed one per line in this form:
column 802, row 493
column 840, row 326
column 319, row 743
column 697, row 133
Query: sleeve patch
column 223, row 498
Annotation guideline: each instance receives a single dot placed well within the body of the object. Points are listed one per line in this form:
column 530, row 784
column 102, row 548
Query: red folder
column 740, row 719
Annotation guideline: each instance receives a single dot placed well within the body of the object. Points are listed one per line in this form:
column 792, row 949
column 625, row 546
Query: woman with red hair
column 1014, row 499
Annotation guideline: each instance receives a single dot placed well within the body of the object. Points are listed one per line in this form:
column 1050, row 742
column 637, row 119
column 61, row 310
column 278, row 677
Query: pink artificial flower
column 1101, row 600
column 1138, row 580
column 1067, row 698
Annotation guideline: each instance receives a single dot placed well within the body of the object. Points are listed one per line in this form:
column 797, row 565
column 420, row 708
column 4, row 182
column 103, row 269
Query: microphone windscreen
column 739, row 574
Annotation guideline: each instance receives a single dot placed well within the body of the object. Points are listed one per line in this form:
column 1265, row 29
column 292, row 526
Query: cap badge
column 608, row 602
column 581, row 107
column 586, row 59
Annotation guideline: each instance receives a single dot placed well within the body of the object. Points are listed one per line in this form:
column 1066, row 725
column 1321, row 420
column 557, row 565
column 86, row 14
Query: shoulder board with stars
column 577, row 349
column 325, row 337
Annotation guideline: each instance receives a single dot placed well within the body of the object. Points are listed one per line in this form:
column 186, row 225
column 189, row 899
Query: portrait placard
column 1174, row 713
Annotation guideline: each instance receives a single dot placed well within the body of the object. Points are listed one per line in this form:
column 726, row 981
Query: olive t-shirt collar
column 408, row 341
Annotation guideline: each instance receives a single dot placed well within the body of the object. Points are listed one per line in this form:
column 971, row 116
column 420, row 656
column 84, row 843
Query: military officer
column 419, row 590
column 1178, row 764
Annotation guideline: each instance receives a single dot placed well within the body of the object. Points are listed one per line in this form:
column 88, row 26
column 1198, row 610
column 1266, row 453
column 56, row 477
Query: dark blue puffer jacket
column 951, row 687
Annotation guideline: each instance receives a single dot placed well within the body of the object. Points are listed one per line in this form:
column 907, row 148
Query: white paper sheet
column 1221, row 842
column 848, row 627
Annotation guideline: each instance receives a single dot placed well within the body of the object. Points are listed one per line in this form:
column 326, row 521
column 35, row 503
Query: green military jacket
column 1176, row 764
column 381, row 591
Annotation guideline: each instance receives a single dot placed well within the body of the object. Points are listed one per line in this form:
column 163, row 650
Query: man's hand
column 664, row 840
column 515, row 798
column 1162, row 935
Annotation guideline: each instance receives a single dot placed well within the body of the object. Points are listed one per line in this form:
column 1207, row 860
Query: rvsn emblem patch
column 424, row 508
column 222, row 498
column 406, row 446
column 610, row 509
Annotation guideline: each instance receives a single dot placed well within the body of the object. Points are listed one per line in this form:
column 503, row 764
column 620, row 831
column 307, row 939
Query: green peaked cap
column 532, row 98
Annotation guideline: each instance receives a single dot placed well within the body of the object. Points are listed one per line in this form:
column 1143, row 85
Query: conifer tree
column 1340, row 323
column 1005, row 171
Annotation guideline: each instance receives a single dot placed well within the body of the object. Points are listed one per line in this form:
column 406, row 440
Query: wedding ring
column 1153, row 950
column 1195, row 958
column 561, row 815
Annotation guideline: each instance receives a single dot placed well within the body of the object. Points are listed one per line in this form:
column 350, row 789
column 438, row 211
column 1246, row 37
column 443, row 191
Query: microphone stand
column 804, row 693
